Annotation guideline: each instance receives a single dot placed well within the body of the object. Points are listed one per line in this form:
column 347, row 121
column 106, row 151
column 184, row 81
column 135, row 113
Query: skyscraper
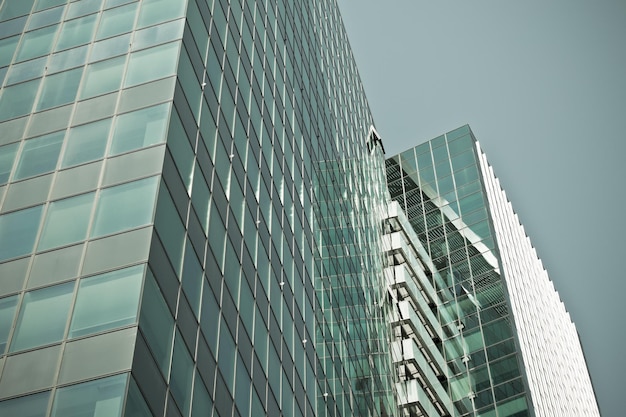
column 508, row 342
column 192, row 201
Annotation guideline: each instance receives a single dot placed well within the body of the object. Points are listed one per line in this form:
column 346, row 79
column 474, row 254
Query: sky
column 543, row 87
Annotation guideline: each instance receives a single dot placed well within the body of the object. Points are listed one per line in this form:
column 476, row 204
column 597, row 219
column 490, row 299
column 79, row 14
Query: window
column 39, row 155
column 107, row 301
column 36, row 43
column 102, row 397
column 86, row 143
column 117, row 21
column 34, row 405
column 77, row 32
column 71, row 58
column 7, row 313
column 66, row 221
column 7, row 157
column 18, row 231
column 17, row 100
column 140, row 128
column 152, row 64
column 125, row 206
column 43, row 316
column 103, row 77
column 156, row 11
column 59, row 89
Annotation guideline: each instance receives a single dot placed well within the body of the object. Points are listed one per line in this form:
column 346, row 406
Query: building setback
column 197, row 219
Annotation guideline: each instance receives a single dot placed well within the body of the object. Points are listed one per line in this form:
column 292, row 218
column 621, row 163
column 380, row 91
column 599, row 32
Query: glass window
column 180, row 378
column 66, row 221
column 41, row 19
column 152, row 64
column 59, row 89
column 82, row 8
column 117, row 21
column 11, row 9
column 156, row 323
column 18, row 231
column 39, row 155
column 7, row 157
column 125, row 206
column 43, row 316
column 102, row 397
column 155, row 11
column 17, row 100
column 35, row 405
column 103, row 77
column 70, row 58
column 140, row 128
column 77, row 32
column 107, row 301
column 7, row 313
column 44, row 4
column 155, row 35
column 7, row 48
column 86, row 143
column 109, row 48
column 36, row 43
column 27, row 71
column 135, row 403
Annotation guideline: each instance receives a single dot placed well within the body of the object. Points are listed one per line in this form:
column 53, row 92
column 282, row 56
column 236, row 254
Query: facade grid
column 197, row 219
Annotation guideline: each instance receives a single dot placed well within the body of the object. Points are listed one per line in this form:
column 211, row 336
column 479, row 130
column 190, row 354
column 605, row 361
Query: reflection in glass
column 18, row 231
column 66, row 221
column 102, row 397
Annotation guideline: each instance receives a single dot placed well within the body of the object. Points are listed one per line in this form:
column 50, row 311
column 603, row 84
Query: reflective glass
column 59, row 89
column 103, row 77
column 27, row 70
column 7, row 314
column 155, row 35
column 82, row 8
column 36, row 43
column 125, row 206
column 7, row 157
column 180, row 378
column 35, row 405
column 102, row 397
column 39, row 155
column 155, row 11
column 7, row 48
column 152, row 64
column 156, row 323
column 107, row 301
column 18, row 231
column 66, row 221
column 70, row 58
column 43, row 316
column 109, row 48
column 44, row 4
column 117, row 21
column 41, row 19
column 77, row 32
column 11, row 9
column 17, row 100
column 140, row 128
column 86, row 143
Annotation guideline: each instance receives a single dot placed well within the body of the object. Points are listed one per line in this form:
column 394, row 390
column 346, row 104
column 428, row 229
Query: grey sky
column 543, row 87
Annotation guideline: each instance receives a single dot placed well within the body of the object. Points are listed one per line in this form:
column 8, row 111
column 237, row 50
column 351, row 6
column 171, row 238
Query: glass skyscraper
column 195, row 220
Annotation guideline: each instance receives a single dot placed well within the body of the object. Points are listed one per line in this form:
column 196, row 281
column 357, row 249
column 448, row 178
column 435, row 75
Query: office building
column 191, row 206
column 509, row 345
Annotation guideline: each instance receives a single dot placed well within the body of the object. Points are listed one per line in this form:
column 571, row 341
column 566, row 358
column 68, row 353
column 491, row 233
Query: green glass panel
column 45, row 18
column 7, row 48
column 39, row 155
column 59, row 89
column 86, row 143
column 66, row 221
column 156, row 11
column 36, row 43
column 117, row 21
column 82, row 8
column 77, row 32
column 7, row 315
column 102, row 397
column 181, row 376
column 18, row 231
column 17, row 100
column 140, row 128
column 35, row 405
column 111, row 47
column 155, row 35
column 152, row 64
column 43, row 316
column 107, row 301
column 103, row 77
column 125, row 206
column 45, row 4
column 7, row 158
column 27, row 71
column 11, row 9
column 70, row 58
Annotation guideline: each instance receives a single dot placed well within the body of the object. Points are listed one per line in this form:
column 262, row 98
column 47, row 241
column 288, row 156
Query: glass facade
column 192, row 199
